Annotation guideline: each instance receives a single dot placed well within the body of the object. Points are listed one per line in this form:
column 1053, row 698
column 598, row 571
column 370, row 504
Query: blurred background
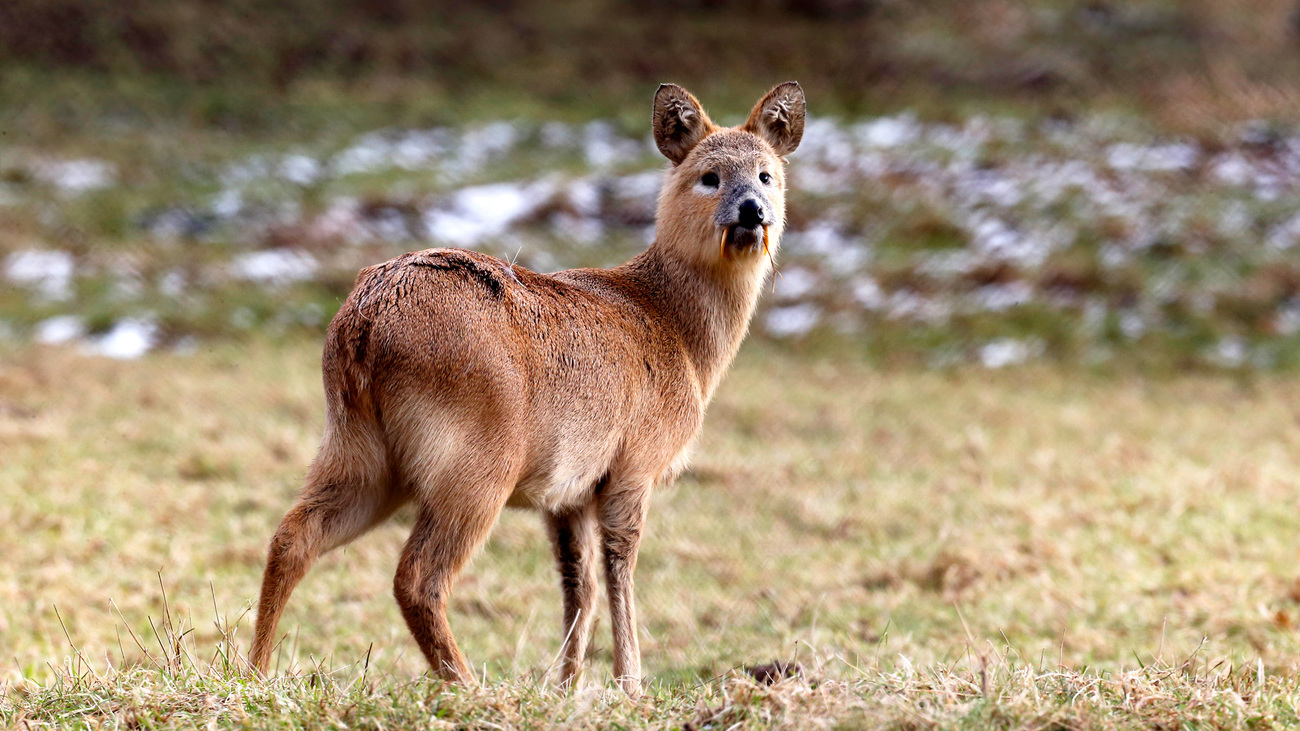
column 983, row 181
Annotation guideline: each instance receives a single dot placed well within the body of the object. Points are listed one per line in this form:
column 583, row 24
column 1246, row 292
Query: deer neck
column 710, row 303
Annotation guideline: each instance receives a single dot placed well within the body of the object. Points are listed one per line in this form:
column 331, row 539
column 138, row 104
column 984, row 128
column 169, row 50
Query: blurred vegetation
column 196, row 106
column 1186, row 64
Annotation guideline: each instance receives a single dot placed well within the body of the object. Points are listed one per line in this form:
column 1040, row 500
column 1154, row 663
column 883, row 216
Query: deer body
column 466, row 384
column 558, row 377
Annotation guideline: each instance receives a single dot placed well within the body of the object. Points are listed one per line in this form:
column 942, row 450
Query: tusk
column 722, row 245
column 770, row 260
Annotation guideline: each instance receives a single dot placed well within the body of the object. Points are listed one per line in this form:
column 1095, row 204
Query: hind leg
column 446, row 535
column 348, row 492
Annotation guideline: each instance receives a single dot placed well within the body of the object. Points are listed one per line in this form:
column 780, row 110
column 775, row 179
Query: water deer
column 467, row 384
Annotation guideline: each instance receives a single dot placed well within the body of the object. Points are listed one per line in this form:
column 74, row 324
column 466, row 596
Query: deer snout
column 750, row 214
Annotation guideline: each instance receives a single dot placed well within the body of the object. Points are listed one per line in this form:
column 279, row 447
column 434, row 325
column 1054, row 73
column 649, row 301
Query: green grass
column 958, row 548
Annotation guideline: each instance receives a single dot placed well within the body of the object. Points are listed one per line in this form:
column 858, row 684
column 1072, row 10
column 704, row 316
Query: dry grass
column 1032, row 548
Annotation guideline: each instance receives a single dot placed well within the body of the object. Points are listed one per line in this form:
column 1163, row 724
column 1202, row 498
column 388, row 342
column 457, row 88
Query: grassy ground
column 1031, row 547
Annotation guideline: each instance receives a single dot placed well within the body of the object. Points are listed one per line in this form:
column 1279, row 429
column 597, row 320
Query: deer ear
column 778, row 117
column 679, row 122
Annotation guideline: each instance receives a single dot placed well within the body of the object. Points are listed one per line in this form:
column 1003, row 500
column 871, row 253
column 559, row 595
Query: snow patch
column 1008, row 351
column 1229, row 352
column 61, row 329
column 1001, row 297
column 74, row 177
column 604, row 148
column 274, row 266
column 130, row 338
column 300, row 170
column 49, row 272
column 1154, row 158
column 480, row 212
column 792, row 321
column 887, row 132
column 794, row 283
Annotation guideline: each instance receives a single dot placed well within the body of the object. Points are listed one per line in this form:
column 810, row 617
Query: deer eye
column 764, row 178
column 710, row 180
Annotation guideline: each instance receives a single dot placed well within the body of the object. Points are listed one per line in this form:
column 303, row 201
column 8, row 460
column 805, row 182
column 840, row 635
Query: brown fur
column 465, row 384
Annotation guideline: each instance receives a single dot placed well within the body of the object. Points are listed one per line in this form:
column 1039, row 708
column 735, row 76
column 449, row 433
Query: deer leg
column 573, row 541
column 622, row 511
column 445, row 537
column 329, row 514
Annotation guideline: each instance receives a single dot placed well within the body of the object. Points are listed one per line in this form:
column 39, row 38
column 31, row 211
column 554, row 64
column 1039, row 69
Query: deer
column 465, row 384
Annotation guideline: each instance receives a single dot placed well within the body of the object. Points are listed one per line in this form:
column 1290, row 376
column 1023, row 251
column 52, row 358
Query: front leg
column 622, row 511
column 574, row 541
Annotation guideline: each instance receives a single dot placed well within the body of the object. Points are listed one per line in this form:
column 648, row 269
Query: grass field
column 1033, row 547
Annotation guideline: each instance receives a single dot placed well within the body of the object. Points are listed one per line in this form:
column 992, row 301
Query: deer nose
column 751, row 214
